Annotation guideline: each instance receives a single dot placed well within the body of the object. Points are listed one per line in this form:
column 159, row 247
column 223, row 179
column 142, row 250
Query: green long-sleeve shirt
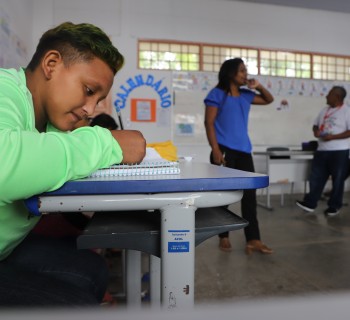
column 33, row 162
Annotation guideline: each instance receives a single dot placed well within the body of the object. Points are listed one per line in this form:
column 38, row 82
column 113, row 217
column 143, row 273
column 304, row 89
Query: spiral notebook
column 153, row 164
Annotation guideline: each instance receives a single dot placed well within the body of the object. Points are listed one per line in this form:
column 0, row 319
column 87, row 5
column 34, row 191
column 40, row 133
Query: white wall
column 15, row 32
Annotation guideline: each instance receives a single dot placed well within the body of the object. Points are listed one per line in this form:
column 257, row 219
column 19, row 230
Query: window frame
column 339, row 70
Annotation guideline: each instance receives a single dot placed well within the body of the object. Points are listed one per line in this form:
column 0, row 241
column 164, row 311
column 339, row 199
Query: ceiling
column 328, row 5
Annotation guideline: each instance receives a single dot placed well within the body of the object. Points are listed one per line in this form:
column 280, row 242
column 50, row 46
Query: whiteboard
column 269, row 125
column 189, row 111
column 287, row 121
column 273, row 125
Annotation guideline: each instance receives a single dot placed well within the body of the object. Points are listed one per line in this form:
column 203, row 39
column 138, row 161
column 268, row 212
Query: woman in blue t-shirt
column 226, row 123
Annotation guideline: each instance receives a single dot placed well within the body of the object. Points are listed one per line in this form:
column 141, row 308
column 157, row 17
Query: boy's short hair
column 78, row 42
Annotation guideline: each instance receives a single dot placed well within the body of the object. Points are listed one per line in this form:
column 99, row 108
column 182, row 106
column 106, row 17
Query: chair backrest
column 278, row 149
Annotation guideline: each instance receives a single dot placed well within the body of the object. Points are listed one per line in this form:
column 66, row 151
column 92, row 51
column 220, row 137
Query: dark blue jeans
column 325, row 164
column 51, row 272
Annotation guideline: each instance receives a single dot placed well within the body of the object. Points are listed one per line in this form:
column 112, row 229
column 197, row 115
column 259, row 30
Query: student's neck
column 40, row 128
column 40, row 119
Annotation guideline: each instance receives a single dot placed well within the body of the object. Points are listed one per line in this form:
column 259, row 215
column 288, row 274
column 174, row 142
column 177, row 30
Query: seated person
column 72, row 69
column 104, row 120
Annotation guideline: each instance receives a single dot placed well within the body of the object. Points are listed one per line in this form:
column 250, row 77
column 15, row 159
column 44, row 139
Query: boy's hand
column 132, row 143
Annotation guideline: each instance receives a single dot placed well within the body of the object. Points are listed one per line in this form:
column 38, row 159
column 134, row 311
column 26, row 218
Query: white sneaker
column 331, row 212
column 302, row 205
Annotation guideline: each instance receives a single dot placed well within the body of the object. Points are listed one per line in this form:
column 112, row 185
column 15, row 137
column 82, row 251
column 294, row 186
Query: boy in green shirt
column 72, row 69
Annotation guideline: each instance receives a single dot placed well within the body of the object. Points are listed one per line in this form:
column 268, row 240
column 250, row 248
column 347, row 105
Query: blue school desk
column 199, row 185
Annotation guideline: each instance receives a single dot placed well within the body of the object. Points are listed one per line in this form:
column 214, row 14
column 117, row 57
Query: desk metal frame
column 176, row 196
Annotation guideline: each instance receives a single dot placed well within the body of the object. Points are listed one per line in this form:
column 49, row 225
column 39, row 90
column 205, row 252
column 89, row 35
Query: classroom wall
column 15, row 32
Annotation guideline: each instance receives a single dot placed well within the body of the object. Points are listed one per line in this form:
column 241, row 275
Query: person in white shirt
column 332, row 128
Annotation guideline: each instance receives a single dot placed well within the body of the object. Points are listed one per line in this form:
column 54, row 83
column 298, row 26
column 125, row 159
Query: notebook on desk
column 152, row 164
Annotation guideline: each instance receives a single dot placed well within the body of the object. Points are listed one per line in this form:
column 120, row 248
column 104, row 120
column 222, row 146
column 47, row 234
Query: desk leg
column 155, row 270
column 268, row 201
column 177, row 256
column 268, row 198
column 133, row 278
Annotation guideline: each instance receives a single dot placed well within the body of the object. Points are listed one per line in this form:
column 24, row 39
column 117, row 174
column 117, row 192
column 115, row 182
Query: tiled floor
column 311, row 255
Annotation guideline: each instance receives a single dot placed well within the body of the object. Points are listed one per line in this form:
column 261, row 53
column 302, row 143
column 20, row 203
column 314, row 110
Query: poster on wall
column 184, row 129
column 143, row 110
column 278, row 86
column 145, row 101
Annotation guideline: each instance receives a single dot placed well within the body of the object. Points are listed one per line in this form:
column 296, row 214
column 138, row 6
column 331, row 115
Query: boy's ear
column 50, row 61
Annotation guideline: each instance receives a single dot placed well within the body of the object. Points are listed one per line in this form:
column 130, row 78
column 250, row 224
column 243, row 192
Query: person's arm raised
column 132, row 143
column 264, row 96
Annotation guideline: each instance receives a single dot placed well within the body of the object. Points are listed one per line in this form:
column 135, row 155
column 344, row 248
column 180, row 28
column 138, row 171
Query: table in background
column 283, row 167
column 199, row 185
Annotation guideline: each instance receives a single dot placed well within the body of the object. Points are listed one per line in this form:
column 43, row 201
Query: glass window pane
column 175, row 48
column 281, row 55
column 317, row 75
column 253, row 53
column 216, row 59
column 208, row 59
column 236, row 52
column 331, row 60
column 193, row 57
column 193, row 66
column 154, row 46
column 193, row 49
column 163, row 47
column 207, row 67
column 317, row 67
column 264, row 54
column 224, row 51
column 207, row 50
column 143, row 46
column 306, row 58
column 340, row 61
column 340, row 69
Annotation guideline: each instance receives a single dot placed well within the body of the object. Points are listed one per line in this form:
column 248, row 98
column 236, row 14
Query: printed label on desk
column 179, row 246
column 178, row 243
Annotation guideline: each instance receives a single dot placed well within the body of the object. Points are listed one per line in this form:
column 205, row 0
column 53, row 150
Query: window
column 331, row 67
column 182, row 56
column 214, row 56
column 285, row 64
column 168, row 56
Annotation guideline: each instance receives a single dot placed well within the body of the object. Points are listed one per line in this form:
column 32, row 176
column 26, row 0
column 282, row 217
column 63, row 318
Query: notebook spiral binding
column 142, row 169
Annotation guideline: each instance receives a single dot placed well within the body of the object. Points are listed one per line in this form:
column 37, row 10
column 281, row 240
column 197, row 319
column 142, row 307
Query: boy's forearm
column 132, row 143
